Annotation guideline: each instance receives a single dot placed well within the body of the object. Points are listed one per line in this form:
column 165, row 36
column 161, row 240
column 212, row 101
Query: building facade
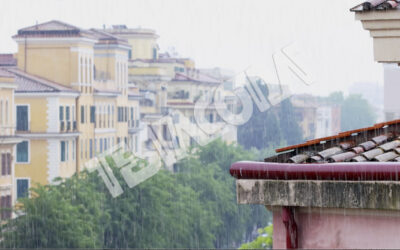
column 71, row 101
column 8, row 142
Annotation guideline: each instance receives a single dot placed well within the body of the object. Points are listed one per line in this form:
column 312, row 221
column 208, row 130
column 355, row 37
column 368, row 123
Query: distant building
column 316, row 117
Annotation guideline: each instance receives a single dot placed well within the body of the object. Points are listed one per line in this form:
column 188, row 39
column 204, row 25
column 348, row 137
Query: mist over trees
column 274, row 127
column 356, row 112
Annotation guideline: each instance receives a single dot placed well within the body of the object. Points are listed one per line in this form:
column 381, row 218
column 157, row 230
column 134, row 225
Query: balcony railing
column 68, row 126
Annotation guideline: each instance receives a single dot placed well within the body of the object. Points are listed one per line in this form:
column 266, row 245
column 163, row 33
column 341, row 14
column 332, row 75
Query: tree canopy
column 195, row 207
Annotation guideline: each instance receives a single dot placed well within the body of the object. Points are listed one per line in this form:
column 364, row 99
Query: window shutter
column 8, row 163
column 3, row 164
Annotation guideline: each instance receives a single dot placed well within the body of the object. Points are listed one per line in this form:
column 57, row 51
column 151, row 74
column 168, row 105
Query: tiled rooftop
column 34, row 84
column 7, row 60
column 376, row 5
column 196, row 77
column 380, row 143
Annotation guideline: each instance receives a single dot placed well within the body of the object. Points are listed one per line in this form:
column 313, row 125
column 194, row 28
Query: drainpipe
column 291, row 227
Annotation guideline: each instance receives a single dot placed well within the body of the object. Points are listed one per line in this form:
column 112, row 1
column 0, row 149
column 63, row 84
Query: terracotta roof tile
column 371, row 5
column 30, row 83
column 380, row 142
column 7, row 60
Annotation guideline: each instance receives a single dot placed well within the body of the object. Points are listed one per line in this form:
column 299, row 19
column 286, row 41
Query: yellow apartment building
column 8, row 142
column 71, row 101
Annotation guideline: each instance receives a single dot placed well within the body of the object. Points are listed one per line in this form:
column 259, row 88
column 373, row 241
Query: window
column 130, row 54
column 90, row 148
column 63, row 151
column 95, row 146
column 112, row 116
column 22, row 188
column 126, row 114
column 86, row 149
column 154, row 53
column 109, row 116
column 82, row 114
column 119, row 114
column 22, row 118
column 67, row 150
column 67, row 113
column 92, row 114
column 5, row 164
column 23, row 152
column 73, row 150
column 61, row 113
column 101, row 145
column 6, row 207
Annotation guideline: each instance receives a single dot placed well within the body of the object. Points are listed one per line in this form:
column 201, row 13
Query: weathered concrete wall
column 323, row 228
column 320, row 194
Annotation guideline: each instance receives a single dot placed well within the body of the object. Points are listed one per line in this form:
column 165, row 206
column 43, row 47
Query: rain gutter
column 363, row 171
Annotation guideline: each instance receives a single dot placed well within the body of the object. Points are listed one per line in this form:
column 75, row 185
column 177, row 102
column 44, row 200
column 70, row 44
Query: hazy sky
column 235, row 34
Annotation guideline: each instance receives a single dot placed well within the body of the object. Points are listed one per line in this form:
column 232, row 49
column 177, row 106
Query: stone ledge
column 320, row 194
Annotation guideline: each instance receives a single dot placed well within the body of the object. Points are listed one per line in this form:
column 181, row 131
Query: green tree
column 206, row 172
column 192, row 208
column 356, row 112
column 68, row 215
column 263, row 241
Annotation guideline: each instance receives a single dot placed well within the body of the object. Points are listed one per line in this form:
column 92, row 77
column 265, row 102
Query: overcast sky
column 234, row 34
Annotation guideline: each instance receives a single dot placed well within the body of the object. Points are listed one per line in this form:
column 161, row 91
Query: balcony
column 134, row 126
column 68, row 126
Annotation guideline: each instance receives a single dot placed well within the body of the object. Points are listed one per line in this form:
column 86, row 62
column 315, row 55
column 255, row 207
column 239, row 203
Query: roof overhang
column 47, row 94
column 384, row 28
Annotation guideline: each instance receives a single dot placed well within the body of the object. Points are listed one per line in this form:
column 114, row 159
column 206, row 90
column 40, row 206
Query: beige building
column 8, row 142
column 71, row 101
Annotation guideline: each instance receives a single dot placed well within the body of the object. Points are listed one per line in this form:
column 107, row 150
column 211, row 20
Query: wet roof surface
column 32, row 83
column 380, row 143
column 376, row 5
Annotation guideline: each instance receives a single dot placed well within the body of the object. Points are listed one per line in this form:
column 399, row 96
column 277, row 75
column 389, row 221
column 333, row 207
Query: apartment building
column 80, row 91
column 8, row 142
column 71, row 100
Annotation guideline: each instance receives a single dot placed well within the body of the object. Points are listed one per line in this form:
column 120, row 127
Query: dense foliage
column 263, row 241
column 191, row 208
